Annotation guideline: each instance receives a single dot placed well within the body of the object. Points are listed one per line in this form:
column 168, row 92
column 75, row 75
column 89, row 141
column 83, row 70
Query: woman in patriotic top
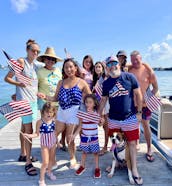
column 46, row 126
column 69, row 93
column 89, row 120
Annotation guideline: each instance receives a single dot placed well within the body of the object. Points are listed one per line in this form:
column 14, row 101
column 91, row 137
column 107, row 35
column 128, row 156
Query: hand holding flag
column 18, row 70
column 89, row 116
column 153, row 102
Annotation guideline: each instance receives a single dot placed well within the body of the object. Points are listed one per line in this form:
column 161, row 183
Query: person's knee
column 132, row 143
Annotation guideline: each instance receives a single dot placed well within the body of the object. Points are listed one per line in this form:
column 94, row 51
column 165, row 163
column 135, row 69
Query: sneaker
column 80, row 170
column 97, row 173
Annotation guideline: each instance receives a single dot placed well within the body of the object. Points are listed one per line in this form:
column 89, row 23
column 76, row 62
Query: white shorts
column 68, row 116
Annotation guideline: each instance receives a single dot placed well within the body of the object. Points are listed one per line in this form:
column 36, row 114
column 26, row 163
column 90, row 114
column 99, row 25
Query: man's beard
column 115, row 73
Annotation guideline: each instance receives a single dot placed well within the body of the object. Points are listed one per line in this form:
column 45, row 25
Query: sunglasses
column 112, row 63
column 33, row 50
column 50, row 58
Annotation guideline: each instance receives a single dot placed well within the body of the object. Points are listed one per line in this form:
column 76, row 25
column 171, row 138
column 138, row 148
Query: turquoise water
column 6, row 90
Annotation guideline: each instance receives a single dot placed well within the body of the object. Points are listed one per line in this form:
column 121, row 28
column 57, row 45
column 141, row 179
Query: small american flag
column 88, row 116
column 15, row 109
column 98, row 87
column 68, row 56
column 152, row 102
column 17, row 68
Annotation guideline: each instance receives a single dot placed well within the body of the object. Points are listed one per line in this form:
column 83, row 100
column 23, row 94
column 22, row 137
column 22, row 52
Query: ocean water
column 6, row 90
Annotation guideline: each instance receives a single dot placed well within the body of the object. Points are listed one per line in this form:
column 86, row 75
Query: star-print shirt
column 69, row 97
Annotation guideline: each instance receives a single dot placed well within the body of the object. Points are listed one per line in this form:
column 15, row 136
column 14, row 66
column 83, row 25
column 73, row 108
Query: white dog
column 121, row 155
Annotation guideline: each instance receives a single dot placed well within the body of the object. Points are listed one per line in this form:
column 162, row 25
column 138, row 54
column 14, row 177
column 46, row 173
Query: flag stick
column 26, row 137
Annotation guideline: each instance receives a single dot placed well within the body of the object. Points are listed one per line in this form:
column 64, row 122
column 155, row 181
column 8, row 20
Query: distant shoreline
column 154, row 68
column 162, row 69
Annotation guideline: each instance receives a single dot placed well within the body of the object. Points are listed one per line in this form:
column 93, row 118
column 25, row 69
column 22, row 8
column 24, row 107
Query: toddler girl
column 46, row 126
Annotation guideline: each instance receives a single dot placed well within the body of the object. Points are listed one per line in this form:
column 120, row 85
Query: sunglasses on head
column 112, row 63
column 50, row 58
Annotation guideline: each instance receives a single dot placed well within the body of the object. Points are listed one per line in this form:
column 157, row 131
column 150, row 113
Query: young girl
column 89, row 120
column 46, row 126
column 98, row 77
column 88, row 70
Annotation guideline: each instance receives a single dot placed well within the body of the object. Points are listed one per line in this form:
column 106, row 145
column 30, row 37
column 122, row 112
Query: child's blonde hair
column 49, row 106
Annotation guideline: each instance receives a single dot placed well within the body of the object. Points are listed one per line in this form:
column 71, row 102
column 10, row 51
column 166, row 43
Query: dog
column 121, row 155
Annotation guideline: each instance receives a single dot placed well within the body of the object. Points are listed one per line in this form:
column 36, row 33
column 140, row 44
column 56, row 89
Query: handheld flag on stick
column 98, row 87
column 15, row 109
column 26, row 137
column 152, row 102
column 68, row 56
column 17, row 68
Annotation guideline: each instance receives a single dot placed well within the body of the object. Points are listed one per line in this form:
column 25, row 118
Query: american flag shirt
column 120, row 93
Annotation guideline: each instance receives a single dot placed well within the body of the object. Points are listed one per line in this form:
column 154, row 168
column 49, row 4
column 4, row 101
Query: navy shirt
column 120, row 93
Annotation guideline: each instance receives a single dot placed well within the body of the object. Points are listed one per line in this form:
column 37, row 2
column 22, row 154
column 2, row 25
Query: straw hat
column 50, row 53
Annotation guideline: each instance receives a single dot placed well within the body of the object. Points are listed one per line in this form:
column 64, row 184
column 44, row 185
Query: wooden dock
column 12, row 172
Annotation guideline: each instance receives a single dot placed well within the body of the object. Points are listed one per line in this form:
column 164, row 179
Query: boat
column 161, row 127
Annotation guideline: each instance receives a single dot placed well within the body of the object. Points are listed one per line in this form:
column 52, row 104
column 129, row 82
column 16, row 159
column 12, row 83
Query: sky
column 96, row 27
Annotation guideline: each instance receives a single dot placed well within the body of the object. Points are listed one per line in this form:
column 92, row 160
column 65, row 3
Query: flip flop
column 137, row 180
column 149, row 157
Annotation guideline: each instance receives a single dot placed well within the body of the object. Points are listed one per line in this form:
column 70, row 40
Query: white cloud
column 22, row 5
column 160, row 54
column 169, row 37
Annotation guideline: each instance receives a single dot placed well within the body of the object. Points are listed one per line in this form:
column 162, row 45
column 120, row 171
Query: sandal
column 41, row 183
column 73, row 164
column 30, row 170
column 51, row 176
column 150, row 157
column 138, row 180
column 33, row 159
column 23, row 158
